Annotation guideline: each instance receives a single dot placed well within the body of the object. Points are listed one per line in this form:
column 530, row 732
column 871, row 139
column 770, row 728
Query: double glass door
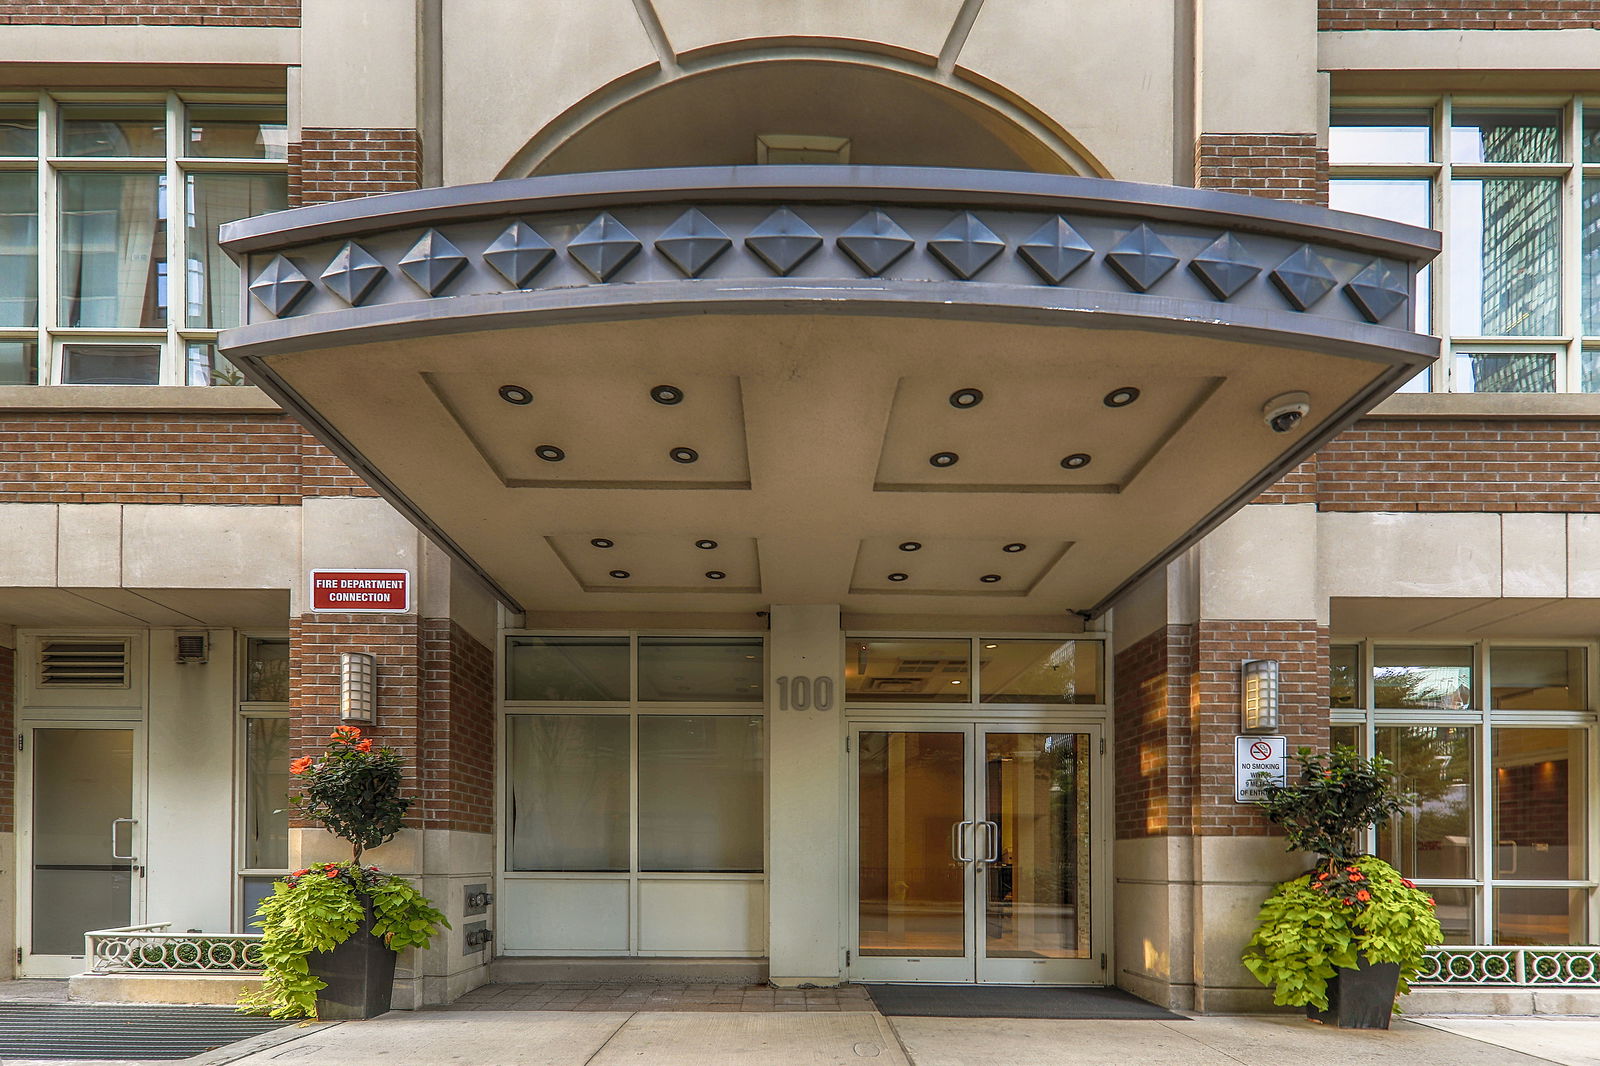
column 976, row 854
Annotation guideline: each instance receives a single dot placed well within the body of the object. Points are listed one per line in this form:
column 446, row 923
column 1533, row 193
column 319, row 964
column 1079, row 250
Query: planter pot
column 1362, row 998
column 360, row 976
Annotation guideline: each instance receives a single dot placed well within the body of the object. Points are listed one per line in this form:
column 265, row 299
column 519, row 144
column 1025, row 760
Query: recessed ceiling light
column 955, row 682
column 603, row 542
column 715, row 575
column 684, row 455
column 910, row 545
column 516, row 394
column 705, row 545
column 666, row 395
column 1075, row 461
column 621, row 575
column 943, row 459
column 1121, row 397
column 550, row 453
column 965, row 398
column 989, row 579
column 898, row 577
column 991, row 645
column 1015, row 547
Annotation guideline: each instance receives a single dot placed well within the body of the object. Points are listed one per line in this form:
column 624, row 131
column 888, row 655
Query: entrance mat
column 1011, row 1001
column 103, row 1031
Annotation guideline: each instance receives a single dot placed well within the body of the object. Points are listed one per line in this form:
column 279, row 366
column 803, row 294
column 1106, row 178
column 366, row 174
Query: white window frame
column 246, row 710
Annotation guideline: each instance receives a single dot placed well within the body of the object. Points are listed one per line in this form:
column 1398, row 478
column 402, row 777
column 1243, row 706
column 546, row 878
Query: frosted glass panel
column 721, row 669
column 700, row 787
column 82, row 780
column 567, row 668
column 569, row 792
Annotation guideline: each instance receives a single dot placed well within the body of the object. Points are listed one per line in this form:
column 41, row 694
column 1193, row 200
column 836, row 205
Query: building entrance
column 975, row 854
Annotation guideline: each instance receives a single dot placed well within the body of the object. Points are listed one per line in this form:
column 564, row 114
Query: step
column 508, row 970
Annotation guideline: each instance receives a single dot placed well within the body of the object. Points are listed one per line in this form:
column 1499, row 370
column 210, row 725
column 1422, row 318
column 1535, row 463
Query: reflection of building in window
column 1521, row 268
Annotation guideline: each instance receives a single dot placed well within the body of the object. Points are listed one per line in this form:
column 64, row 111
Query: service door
column 80, row 841
column 976, row 854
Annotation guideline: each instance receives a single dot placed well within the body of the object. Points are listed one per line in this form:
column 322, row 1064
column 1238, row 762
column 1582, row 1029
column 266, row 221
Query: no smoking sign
column 1257, row 760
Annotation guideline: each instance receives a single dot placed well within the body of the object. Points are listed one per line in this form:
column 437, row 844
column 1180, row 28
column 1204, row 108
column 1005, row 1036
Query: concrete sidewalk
column 493, row 1038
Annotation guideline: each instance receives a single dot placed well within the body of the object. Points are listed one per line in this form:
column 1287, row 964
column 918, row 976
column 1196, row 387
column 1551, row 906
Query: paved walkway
column 614, row 996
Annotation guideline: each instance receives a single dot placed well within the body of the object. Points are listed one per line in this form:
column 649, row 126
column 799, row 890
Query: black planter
column 360, row 976
column 1362, row 998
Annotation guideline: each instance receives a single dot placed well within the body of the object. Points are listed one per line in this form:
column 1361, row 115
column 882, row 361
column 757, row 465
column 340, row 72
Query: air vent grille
column 83, row 664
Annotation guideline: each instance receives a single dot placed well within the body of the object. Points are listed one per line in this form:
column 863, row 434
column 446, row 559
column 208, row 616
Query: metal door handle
column 115, row 854
column 991, row 833
column 958, row 837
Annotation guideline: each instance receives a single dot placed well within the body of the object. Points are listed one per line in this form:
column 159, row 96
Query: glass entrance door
column 976, row 854
column 81, row 845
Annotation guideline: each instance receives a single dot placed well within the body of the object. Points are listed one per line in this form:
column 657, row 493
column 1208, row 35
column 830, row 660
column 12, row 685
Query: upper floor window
column 103, row 199
column 1515, row 188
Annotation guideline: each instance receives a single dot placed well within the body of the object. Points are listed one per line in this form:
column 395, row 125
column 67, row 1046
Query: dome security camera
column 1283, row 413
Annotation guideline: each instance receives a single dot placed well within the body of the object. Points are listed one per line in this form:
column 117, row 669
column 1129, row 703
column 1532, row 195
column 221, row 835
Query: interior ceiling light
column 715, row 575
column 1075, row 461
column 602, row 542
column 516, row 394
column 943, row 459
column 911, row 545
column 898, row 577
column 1015, row 547
column 684, row 455
column 965, row 398
column 621, row 575
column 991, row 645
column 705, row 545
column 1121, row 397
column 550, row 453
column 989, row 579
column 667, row 395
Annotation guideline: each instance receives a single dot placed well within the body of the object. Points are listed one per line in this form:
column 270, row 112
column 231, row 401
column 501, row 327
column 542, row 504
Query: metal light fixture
column 358, row 686
column 1258, row 703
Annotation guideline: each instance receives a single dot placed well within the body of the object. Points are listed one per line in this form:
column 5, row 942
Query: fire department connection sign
column 350, row 591
column 1253, row 756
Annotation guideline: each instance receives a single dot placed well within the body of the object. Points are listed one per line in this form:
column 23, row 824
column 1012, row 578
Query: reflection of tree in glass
column 1432, row 764
column 1425, row 687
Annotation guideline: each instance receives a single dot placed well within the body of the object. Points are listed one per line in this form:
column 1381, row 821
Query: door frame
column 974, row 967
column 30, row 965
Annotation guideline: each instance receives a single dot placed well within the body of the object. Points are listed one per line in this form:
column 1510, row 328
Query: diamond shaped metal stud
column 1055, row 250
column 966, row 245
column 432, row 262
column 352, row 274
column 280, row 286
column 875, row 241
column 1224, row 266
column 783, row 240
column 693, row 242
column 1378, row 291
column 604, row 247
column 1142, row 258
column 1303, row 278
column 519, row 253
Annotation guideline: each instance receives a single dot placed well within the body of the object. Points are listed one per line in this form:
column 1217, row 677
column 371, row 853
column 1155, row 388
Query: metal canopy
column 576, row 383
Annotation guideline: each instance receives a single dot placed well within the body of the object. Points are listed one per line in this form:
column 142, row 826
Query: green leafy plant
column 354, row 791
column 1349, row 907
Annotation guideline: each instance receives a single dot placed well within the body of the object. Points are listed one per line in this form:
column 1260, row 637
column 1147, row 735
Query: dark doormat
column 1011, row 1001
column 96, row 1031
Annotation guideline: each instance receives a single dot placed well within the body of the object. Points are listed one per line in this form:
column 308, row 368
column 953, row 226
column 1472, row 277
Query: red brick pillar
column 1284, row 166
column 343, row 164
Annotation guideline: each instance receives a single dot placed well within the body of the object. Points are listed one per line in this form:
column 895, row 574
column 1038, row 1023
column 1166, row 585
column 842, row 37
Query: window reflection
column 907, row 670
column 1505, row 277
column 1380, row 135
column 1434, row 765
column 1505, row 135
column 567, row 668
column 1344, row 676
column 1539, row 809
column 1428, row 678
column 1039, row 671
column 1537, row 679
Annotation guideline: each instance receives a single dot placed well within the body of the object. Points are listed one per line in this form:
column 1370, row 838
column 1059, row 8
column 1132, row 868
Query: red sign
column 348, row 591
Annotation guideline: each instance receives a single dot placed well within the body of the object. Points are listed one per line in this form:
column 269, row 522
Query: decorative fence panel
column 1499, row 966
column 153, row 949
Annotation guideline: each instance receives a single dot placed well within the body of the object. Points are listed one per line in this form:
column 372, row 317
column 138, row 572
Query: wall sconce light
column 1258, row 704
column 358, row 686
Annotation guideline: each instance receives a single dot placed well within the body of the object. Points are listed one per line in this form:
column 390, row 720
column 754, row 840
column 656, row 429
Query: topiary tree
column 1338, row 797
column 353, row 790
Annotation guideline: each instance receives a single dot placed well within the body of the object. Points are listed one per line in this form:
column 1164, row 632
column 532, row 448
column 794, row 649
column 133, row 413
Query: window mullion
column 1571, row 249
column 1443, row 378
column 172, row 372
column 48, row 234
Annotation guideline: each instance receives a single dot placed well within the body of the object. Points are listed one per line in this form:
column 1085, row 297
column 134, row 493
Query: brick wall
column 457, row 729
column 1533, row 805
column 1301, row 649
column 8, row 726
column 153, row 13
column 1460, row 465
column 1151, row 717
column 1458, row 15
column 342, row 164
column 1286, row 166
column 139, row 457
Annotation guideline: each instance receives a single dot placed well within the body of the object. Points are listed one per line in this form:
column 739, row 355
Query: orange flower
column 1363, row 895
column 333, row 871
column 345, row 732
column 1431, row 903
column 299, row 873
column 365, row 745
column 1358, row 877
column 300, row 765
